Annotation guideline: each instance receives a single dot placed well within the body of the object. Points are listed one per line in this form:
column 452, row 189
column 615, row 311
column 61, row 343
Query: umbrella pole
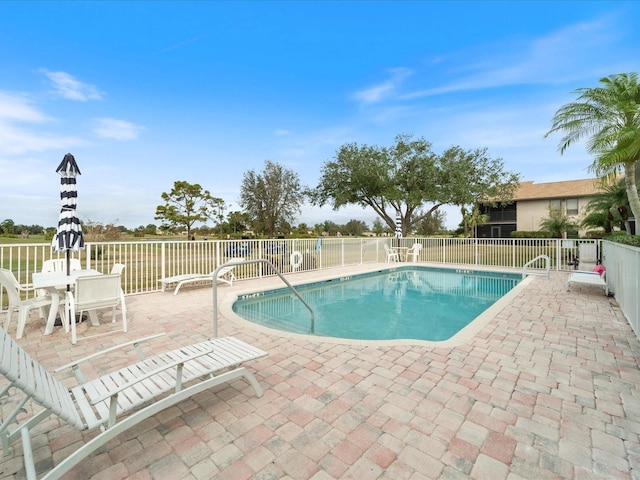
column 68, row 297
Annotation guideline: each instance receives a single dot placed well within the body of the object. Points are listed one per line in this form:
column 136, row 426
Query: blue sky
column 147, row 93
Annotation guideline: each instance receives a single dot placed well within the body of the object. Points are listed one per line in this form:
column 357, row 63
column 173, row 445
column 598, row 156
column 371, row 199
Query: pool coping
column 463, row 336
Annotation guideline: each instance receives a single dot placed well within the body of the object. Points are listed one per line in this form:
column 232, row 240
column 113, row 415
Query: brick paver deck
column 547, row 389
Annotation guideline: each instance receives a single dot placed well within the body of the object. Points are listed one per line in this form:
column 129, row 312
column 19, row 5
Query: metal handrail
column 539, row 257
column 248, row 262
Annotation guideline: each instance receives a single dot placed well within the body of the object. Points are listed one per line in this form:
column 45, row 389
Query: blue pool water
column 402, row 303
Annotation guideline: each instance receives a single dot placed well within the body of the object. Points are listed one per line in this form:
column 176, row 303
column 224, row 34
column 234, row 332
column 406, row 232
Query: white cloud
column 68, row 87
column 385, row 89
column 14, row 140
column 18, row 107
column 570, row 54
column 117, row 129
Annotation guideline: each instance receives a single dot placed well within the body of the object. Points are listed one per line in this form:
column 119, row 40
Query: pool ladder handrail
column 233, row 263
column 547, row 267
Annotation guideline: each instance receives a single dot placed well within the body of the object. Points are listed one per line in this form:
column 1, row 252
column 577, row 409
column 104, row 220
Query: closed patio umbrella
column 68, row 237
column 398, row 224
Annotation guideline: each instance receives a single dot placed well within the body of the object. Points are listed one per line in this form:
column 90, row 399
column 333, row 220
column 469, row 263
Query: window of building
column 555, row 204
column 572, row 206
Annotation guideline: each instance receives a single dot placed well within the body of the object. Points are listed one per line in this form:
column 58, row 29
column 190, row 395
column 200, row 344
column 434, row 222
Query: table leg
column 53, row 311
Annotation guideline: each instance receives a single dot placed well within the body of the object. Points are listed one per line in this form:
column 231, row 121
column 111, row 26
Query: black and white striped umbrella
column 398, row 224
column 68, row 236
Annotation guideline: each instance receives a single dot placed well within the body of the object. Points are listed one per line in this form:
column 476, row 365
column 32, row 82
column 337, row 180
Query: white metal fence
column 149, row 261
column 623, row 278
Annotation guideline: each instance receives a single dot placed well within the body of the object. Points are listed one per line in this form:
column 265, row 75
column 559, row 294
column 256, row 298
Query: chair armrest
column 106, row 351
column 150, row 374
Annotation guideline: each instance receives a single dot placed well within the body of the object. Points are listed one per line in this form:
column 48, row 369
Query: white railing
column 623, row 271
column 532, row 267
column 149, row 261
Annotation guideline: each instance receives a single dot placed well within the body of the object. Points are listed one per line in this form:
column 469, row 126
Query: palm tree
column 610, row 116
column 557, row 223
column 609, row 208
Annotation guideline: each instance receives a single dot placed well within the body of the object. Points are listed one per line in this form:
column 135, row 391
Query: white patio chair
column 15, row 292
column 392, row 254
column 414, row 252
column 93, row 293
column 117, row 269
column 60, row 265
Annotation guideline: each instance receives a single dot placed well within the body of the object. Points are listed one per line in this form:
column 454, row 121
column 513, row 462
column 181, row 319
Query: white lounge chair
column 589, row 278
column 225, row 275
column 112, row 402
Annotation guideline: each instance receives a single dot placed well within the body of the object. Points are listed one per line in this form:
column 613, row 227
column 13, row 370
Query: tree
column 609, row 116
column 378, row 227
column 330, row 228
column 609, row 208
column 471, row 177
column 238, row 221
column 271, row 198
column 557, row 223
column 185, row 205
column 150, row 229
column 302, row 229
column 354, row 228
column 405, row 177
column 432, row 223
column 7, row 226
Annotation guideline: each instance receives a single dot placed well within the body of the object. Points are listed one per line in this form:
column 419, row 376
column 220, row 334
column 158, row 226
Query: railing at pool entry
column 249, row 262
column 526, row 269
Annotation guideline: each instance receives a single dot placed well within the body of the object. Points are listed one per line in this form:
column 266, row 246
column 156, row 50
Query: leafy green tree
column 431, row 224
column 185, row 205
column 150, row 229
column 302, row 229
column 471, row 177
column 238, row 221
column 7, row 226
column 354, row 228
column 271, row 198
column 405, row 177
column 378, row 227
column 609, row 116
column 330, row 228
column 558, row 223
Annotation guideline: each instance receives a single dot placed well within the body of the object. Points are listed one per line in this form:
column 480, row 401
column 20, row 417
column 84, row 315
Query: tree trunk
column 632, row 191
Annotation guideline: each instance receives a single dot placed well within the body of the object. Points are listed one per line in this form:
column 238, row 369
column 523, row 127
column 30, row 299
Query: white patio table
column 56, row 283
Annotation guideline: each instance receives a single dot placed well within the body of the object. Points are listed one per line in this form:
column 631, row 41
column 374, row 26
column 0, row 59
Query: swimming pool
column 420, row 303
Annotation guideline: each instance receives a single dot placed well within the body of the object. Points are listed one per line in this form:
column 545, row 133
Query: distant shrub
column 525, row 234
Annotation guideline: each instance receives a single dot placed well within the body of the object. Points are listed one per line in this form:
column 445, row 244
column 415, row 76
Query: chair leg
column 22, row 320
column 7, row 320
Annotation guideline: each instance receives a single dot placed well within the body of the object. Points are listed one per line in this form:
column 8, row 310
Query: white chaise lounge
column 139, row 390
column 588, row 278
column 225, row 275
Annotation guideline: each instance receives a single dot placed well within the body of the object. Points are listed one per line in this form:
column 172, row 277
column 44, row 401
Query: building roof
column 569, row 188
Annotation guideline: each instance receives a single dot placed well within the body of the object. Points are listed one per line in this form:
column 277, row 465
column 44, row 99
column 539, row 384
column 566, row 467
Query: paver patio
column 549, row 388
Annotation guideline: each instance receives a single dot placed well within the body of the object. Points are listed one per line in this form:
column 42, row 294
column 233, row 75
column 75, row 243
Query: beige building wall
column 532, row 212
